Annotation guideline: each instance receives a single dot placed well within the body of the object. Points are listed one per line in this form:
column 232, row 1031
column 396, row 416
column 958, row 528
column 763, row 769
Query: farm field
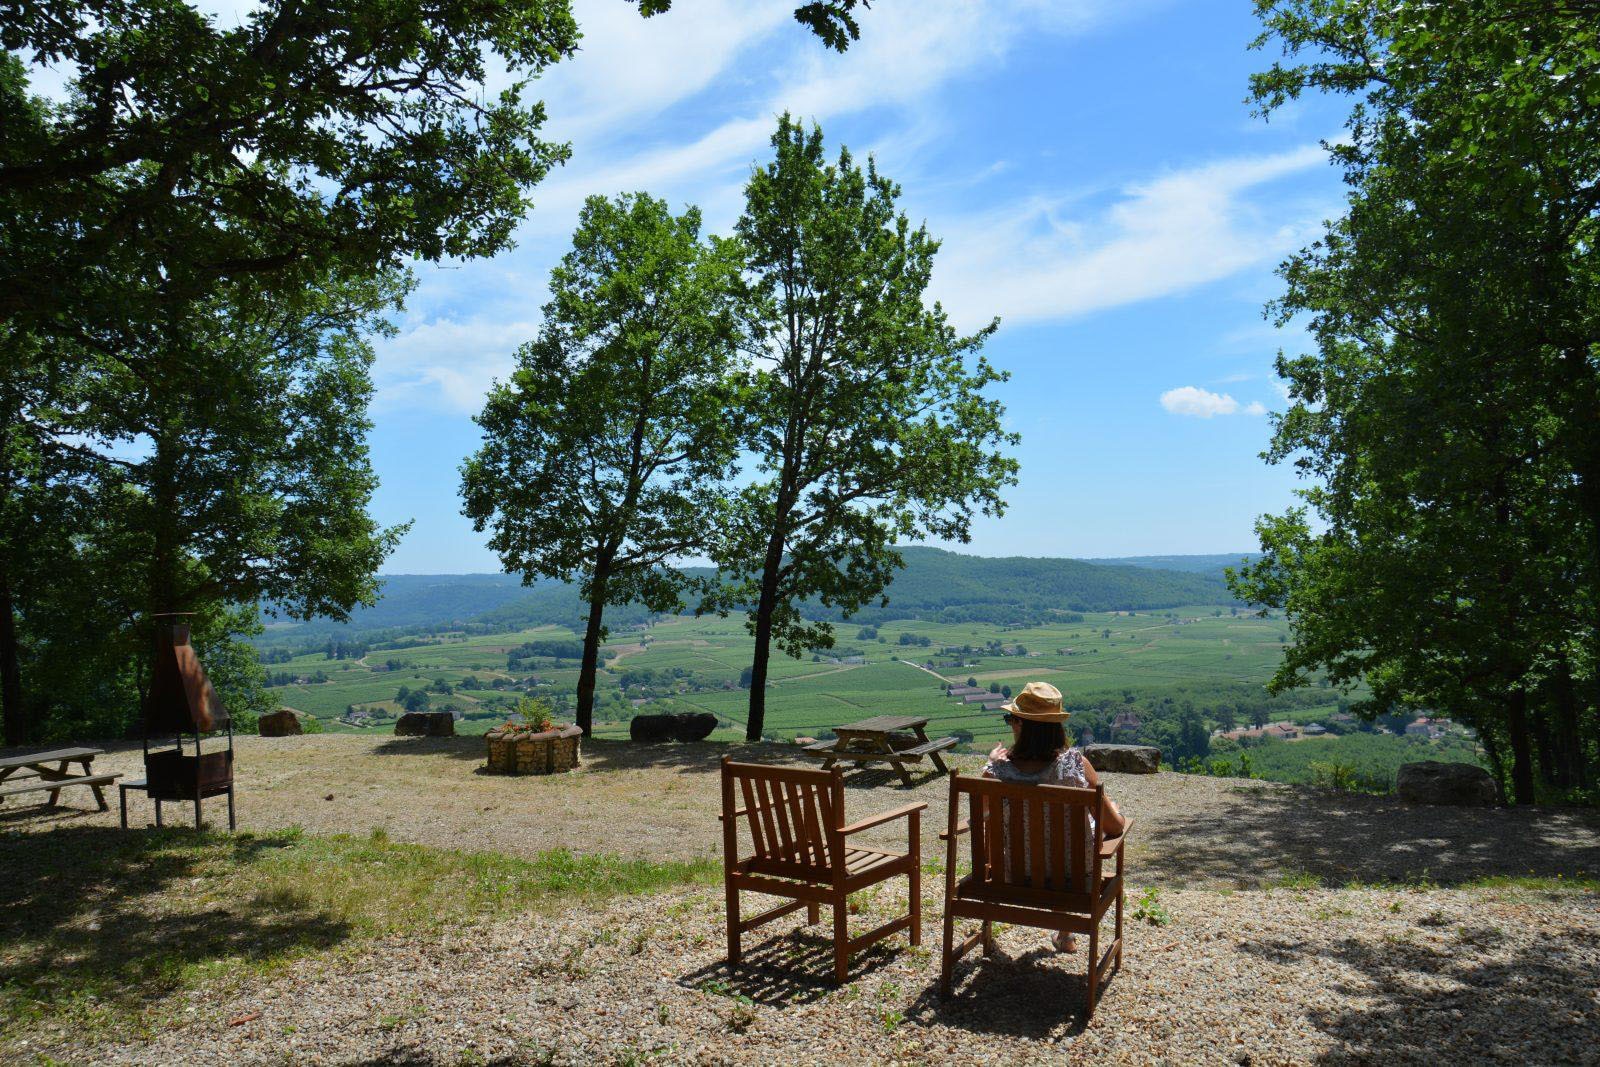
column 1201, row 653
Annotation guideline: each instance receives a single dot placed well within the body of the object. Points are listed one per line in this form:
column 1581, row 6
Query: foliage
column 535, row 715
column 1448, row 553
column 867, row 426
column 603, row 457
column 833, row 21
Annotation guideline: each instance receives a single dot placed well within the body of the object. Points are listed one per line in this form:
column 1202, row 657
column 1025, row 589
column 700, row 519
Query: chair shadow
column 1352, row 838
column 787, row 969
column 986, row 991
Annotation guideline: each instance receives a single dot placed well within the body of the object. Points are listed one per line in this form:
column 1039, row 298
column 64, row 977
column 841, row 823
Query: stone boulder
column 426, row 724
column 684, row 726
column 1125, row 759
column 1432, row 782
column 285, row 722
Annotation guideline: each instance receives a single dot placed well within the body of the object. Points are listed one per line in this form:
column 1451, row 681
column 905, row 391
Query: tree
column 604, row 455
column 867, row 425
column 369, row 143
column 1462, row 283
column 832, row 21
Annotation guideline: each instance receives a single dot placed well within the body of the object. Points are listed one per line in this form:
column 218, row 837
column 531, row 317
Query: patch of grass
column 104, row 924
column 1295, row 880
column 1532, row 883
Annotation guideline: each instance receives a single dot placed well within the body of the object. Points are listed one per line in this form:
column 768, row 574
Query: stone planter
column 550, row 752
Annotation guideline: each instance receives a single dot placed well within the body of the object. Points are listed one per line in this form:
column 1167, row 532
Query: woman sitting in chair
column 1039, row 755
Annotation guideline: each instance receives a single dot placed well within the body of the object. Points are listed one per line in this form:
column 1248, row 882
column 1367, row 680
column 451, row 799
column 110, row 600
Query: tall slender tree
column 869, row 421
column 606, row 454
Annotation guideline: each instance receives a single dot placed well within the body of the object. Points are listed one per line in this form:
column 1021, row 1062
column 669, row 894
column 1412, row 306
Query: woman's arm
column 1115, row 823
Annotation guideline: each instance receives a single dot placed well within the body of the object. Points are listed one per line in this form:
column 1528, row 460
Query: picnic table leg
column 100, row 797
column 922, row 735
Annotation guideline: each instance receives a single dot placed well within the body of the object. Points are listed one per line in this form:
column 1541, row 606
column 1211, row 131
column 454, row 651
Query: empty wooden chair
column 1036, row 861
column 801, row 849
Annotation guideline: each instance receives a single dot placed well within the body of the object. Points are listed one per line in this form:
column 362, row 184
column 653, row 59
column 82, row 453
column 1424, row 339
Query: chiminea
column 182, row 706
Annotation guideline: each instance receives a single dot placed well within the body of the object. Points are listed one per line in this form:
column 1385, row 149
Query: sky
column 1097, row 180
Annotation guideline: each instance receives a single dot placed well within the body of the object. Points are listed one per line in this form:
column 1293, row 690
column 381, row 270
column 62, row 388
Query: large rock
column 426, row 724
column 684, row 726
column 1125, row 759
column 1432, row 782
column 281, row 723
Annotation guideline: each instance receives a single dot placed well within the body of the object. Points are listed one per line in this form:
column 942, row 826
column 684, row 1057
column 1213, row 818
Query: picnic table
column 53, row 779
column 893, row 739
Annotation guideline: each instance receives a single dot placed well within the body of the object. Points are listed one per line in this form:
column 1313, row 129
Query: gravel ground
column 661, row 801
column 1244, row 973
column 1262, row 977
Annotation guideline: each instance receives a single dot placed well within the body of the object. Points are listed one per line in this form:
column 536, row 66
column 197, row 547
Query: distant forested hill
column 1195, row 564
column 935, row 585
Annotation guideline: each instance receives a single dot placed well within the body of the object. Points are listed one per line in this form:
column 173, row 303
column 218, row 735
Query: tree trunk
column 1572, row 767
column 591, row 644
column 10, row 669
column 1522, row 788
column 1544, row 744
column 765, row 607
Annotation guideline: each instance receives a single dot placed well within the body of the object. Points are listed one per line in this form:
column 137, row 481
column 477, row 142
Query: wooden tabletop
column 884, row 724
column 53, row 756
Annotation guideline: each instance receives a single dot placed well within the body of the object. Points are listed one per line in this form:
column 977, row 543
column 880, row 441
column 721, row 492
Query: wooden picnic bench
column 53, row 779
column 893, row 739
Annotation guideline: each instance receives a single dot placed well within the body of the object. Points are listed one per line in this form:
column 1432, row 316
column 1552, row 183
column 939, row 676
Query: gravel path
column 1269, row 977
column 661, row 801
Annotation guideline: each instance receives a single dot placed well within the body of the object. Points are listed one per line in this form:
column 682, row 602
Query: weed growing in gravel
column 1150, row 909
column 892, row 1019
column 1298, row 880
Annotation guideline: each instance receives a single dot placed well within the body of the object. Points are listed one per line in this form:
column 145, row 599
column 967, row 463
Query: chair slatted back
column 792, row 816
column 1032, row 844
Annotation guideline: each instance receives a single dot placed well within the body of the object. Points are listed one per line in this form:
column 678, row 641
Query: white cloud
column 446, row 364
column 1024, row 261
column 1204, row 404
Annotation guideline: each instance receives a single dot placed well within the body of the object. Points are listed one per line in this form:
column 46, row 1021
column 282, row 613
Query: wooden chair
column 1035, row 862
column 801, row 851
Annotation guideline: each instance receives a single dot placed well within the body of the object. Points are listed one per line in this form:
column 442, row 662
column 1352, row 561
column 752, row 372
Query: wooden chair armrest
column 961, row 828
column 878, row 820
column 1111, row 845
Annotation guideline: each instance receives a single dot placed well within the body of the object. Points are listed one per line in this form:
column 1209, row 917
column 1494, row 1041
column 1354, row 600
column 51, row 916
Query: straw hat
column 1038, row 702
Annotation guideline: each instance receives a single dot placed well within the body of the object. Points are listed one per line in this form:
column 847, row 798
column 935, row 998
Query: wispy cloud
column 1203, row 404
column 1041, row 259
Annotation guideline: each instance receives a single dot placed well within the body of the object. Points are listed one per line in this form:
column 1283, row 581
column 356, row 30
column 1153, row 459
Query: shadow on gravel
column 112, row 918
column 1258, row 835
column 1028, row 995
column 789, row 969
column 1461, row 1002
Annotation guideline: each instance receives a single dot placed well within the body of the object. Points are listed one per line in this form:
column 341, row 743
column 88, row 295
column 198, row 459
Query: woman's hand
column 998, row 752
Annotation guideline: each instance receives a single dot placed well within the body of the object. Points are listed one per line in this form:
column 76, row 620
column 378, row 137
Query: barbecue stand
column 183, row 707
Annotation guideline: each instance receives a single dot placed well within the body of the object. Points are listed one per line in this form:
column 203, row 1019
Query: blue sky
column 1095, row 175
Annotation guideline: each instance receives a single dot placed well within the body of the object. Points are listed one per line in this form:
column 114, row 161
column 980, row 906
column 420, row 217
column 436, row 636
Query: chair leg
column 123, row 799
column 197, row 811
column 988, row 937
column 1094, row 958
column 158, row 814
column 1119, row 927
column 841, row 940
column 916, row 903
column 813, row 913
column 232, row 825
column 732, row 893
column 949, row 952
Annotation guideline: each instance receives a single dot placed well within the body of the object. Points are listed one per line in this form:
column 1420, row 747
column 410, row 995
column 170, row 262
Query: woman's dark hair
column 1039, row 741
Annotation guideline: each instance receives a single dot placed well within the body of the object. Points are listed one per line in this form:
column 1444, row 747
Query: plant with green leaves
column 869, row 421
column 605, row 454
